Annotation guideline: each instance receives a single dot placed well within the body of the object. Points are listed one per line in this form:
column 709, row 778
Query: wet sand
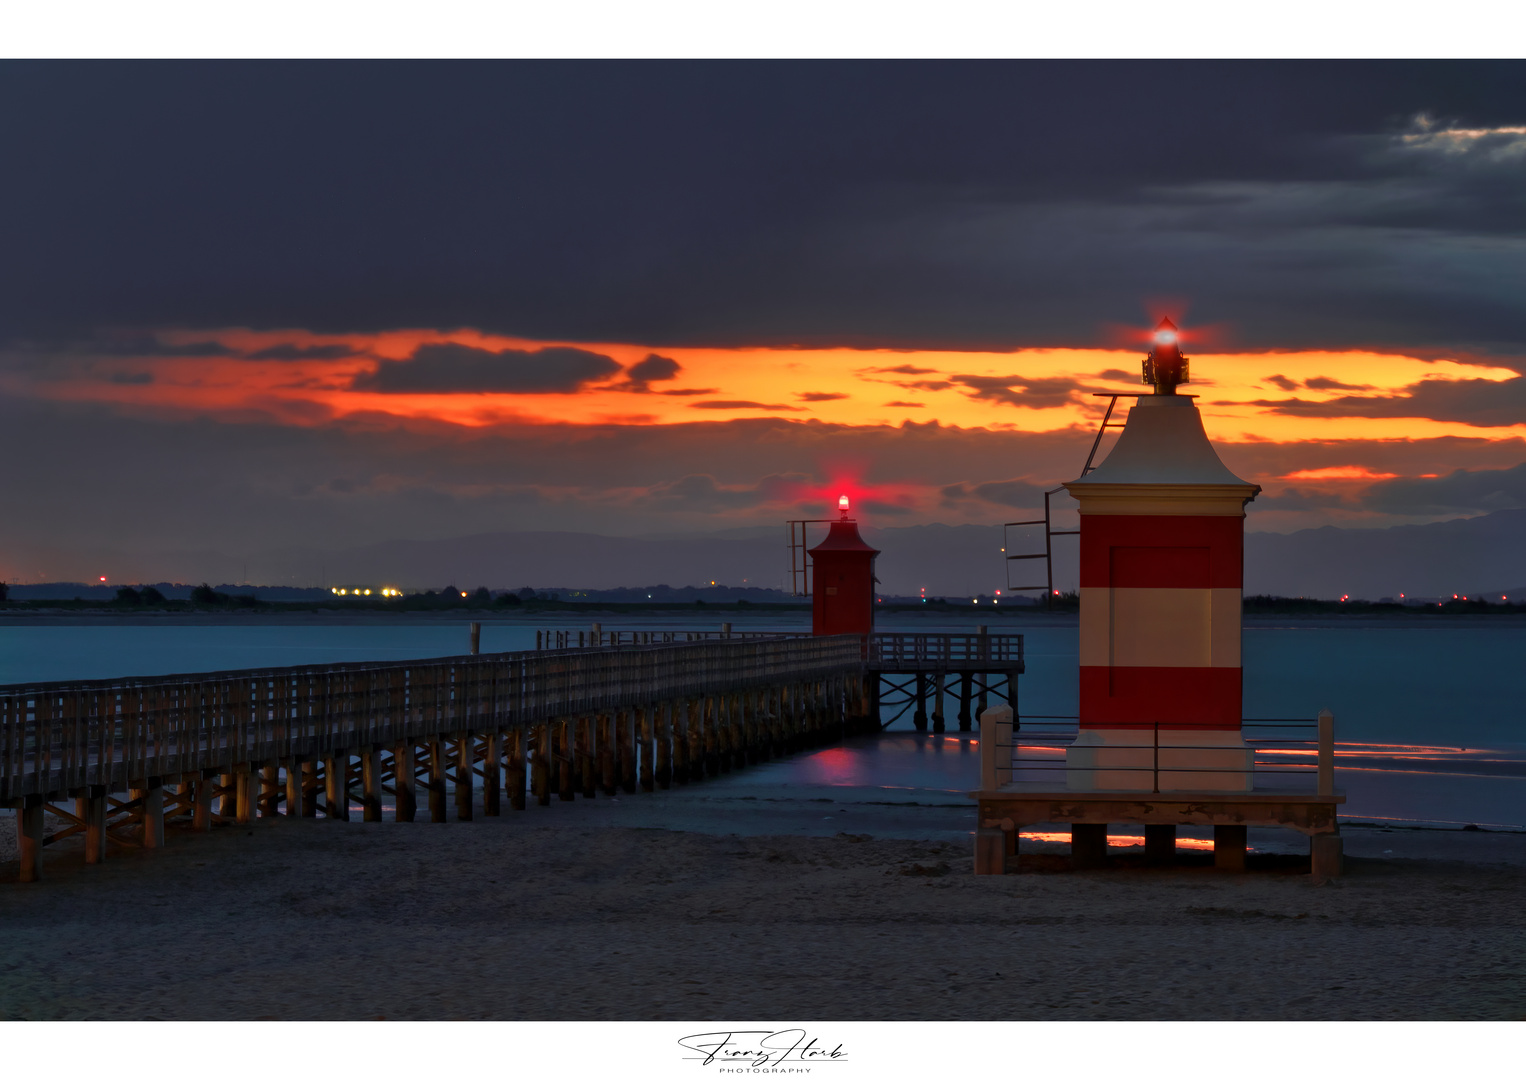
column 568, row 914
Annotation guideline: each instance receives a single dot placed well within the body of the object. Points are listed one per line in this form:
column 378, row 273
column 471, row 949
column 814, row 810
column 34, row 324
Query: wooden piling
column 936, row 681
column 404, row 776
column 514, row 774
column 645, row 747
column 662, row 716
column 542, row 771
column 625, row 740
column 246, row 793
column 29, row 834
column 336, row 785
column 201, row 796
column 564, row 760
column 606, row 743
column 1229, row 848
column 91, row 808
column 465, row 763
column 152, row 812
column 310, row 788
column 436, row 779
column 227, row 799
column 371, row 784
column 587, row 778
column 678, row 716
column 492, row 744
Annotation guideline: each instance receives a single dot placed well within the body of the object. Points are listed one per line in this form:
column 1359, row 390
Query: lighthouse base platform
column 1005, row 811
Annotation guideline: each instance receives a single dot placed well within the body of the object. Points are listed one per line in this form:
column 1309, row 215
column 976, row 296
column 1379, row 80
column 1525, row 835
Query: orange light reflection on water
column 1189, row 843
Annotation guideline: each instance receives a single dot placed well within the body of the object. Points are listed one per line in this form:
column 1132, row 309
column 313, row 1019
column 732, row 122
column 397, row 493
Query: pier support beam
column 29, row 831
column 403, row 777
column 436, row 782
column 201, row 804
column 1160, row 844
column 990, row 851
column 91, row 808
column 515, row 759
column 466, row 754
column 492, row 767
column 937, row 687
column 541, row 777
column 564, row 761
column 1326, row 856
column 1229, row 848
column 152, row 811
column 1088, row 847
column 370, row 784
column 336, row 786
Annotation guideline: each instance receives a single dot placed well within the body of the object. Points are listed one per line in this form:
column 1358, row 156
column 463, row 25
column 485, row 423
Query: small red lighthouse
column 842, row 586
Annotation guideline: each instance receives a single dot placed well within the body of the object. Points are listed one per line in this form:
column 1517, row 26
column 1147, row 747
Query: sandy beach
column 568, row 914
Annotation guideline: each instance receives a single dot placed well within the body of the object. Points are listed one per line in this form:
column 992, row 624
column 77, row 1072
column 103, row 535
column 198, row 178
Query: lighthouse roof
column 843, row 536
column 1163, row 442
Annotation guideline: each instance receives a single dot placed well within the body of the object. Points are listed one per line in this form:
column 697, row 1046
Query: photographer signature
column 760, row 1048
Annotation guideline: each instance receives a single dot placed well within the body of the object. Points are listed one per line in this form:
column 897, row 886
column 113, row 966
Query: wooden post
column 542, row 773
column 1088, row 846
column 370, row 784
column 514, row 776
column 492, row 742
column 91, row 808
column 936, row 680
column 607, row 743
column 1160, row 844
column 153, row 813
column 227, row 803
column 919, row 717
column 201, row 804
column 587, row 780
column 990, row 851
column 336, row 786
column 1326, row 752
column 710, row 714
column 964, row 701
column 725, row 727
column 564, row 759
column 270, row 791
column 476, row 638
column 403, row 777
column 1229, row 848
column 465, row 760
column 645, row 747
column 310, row 788
column 436, row 782
column 29, row 833
column 1326, row 857
column 625, row 741
column 678, row 714
column 661, row 716
column 246, row 793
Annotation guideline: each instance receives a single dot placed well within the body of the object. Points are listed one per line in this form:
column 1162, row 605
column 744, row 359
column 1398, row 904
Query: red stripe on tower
column 1162, row 562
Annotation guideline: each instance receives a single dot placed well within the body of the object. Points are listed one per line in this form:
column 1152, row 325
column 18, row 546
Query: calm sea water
column 1454, row 691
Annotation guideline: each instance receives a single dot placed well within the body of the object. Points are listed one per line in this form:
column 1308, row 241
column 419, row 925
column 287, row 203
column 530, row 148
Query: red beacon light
column 842, row 506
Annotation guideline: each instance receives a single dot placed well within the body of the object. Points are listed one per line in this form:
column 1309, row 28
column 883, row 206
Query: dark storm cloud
column 703, row 493
column 955, row 205
column 1481, row 402
column 1019, row 493
column 302, row 352
column 1463, row 491
column 462, row 369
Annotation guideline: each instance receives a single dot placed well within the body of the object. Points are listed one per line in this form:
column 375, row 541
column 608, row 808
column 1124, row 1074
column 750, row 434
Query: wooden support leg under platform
column 152, row 812
column 625, row 738
column 310, row 788
column 644, row 748
column 404, row 779
column 541, row 773
column 514, row 771
column 1326, row 855
column 436, row 781
column 227, row 802
column 29, row 832
column 370, row 784
column 664, row 750
column 564, row 761
column 270, row 790
column 492, row 744
column 92, row 809
column 1160, row 844
column 1088, row 847
column 990, row 851
column 607, row 743
column 201, row 804
column 293, row 769
column 937, row 688
column 465, row 755
column 587, row 783
column 336, row 786
column 1229, row 848
column 245, row 793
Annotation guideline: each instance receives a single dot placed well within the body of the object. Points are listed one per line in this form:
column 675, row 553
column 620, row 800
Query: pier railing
column 62, row 736
column 1041, row 751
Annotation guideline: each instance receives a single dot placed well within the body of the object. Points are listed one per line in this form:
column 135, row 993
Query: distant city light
column 463, row 596
column 103, row 577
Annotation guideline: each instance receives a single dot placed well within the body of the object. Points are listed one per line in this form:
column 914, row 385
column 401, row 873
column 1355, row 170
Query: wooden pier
column 138, row 757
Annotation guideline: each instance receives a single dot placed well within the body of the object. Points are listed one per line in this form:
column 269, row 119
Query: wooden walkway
column 138, row 755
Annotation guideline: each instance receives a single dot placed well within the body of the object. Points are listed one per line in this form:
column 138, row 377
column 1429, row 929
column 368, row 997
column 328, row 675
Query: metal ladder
column 1050, row 532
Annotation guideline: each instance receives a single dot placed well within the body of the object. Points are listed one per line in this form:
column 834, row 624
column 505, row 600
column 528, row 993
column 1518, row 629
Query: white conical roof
column 1163, row 442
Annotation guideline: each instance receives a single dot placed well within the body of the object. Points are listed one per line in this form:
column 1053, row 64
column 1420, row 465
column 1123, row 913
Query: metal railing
column 907, row 652
column 1042, row 750
column 61, row 736
column 599, row 638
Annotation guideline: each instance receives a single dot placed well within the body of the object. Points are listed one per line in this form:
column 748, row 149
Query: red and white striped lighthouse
column 1162, row 551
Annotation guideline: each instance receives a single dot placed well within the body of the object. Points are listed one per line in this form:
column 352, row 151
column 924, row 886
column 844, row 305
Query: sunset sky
column 247, row 306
